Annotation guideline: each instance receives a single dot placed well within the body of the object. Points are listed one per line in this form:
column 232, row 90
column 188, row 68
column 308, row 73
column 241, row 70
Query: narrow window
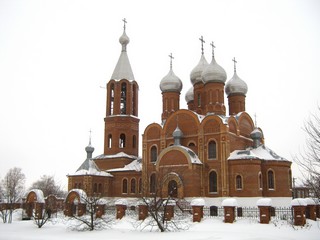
column 270, row 179
column 95, row 188
column 199, row 100
column 153, row 154
column 100, row 188
column 213, row 182
column 111, row 99
column 122, row 141
column 123, row 99
column 109, row 141
column 238, row 182
column 212, row 150
column 260, row 180
column 133, row 185
column 153, row 183
column 124, row 186
column 134, row 111
column 75, row 185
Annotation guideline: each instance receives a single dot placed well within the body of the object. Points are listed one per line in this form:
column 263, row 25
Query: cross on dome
column 202, row 42
column 124, row 23
column 213, row 47
column 234, row 64
column 171, row 57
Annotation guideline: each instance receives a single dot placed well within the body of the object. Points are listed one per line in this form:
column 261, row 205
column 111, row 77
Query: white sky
column 55, row 55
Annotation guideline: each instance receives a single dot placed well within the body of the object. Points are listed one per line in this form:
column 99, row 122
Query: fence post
column 311, row 209
column 169, row 209
column 229, row 205
column 299, row 210
column 197, row 209
column 143, row 210
column 264, row 205
column 121, row 206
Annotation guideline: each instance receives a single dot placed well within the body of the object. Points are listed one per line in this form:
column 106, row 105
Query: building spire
column 171, row 57
column 234, row 64
column 90, row 137
column 202, row 42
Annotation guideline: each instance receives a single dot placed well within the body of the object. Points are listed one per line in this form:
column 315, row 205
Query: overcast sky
column 56, row 57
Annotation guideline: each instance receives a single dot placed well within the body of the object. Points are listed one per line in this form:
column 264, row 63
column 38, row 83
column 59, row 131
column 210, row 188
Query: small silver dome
column 124, row 39
column 195, row 75
column 171, row 83
column 89, row 149
column 177, row 133
column 189, row 95
column 256, row 134
column 214, row 73
column 236, row 86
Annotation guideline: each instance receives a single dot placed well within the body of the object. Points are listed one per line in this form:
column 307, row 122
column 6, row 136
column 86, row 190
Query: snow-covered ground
column 209, row 228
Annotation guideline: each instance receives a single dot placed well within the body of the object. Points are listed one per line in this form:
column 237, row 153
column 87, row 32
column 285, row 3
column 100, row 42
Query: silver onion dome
column 195, row 75
column 171, row 83
column 214, row 73
column 236, row 86
column 189, row 95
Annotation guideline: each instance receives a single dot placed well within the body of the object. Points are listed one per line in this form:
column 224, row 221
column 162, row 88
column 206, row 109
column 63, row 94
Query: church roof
column 262, row 152
column 123, row 68
column 135, row 165
column 88, row 167
column 118, row 155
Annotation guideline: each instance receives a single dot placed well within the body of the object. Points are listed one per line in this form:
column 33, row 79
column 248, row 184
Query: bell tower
column 121, row 121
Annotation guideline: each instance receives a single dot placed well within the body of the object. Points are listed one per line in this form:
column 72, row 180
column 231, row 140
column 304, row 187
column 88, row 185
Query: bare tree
column 13, row 190
column 309, row 160
column 91, row 219
column 48, row 186
column 159, row 201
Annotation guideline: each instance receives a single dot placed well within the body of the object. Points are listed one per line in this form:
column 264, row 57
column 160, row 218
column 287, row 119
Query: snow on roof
column 39, row 194
column 264, row 202
column 118, row 155
column 82, row 194
column 261, row 152
column 169, row 202
column 90, row 168
column 121, row 201
column 229, row 202
column 135, row 165
column 298, row 202
column 193, row 156
column 310, row 201
column 198, row 202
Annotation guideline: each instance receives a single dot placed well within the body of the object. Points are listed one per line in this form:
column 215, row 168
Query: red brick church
column 197, row 152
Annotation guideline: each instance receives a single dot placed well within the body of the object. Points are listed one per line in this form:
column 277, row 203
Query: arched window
column 173, row 188
column 199, row 100
column 212, row 150
column 191, row 144
column 270, row 179
column 260, row 181
column 154, row 154
column 111, row 99
column 133, row 185
column 238, row 182
column 140, row 185
column 213, row 182
column 123, row 99
column 153, row 183
column 75, row 185
column 109, row 140
column 95, row 188
column 122, row 140
column 134, row 141
column 100, row 188
column 124, row 186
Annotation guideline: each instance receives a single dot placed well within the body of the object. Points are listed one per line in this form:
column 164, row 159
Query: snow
column 208, row 228
column 264, row 202
column 135, row 165
column 118, row 155
column 198, row 202
column 82, row 194
column 121, row 201
column 229, row 202
column 310, row 201
column 299, row 202
column 169, row 202
column 39, row 194
column 261, row 152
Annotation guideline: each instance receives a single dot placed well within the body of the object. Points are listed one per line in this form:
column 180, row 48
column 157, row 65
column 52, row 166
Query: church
column 197, row 152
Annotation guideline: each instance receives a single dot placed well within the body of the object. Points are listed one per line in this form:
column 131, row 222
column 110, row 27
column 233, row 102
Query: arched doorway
column 173, row 189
